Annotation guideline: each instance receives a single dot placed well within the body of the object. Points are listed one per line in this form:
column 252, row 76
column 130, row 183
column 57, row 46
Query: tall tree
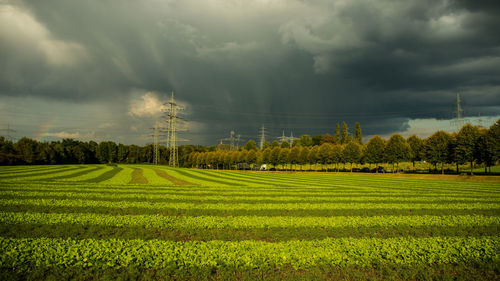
column 337, row 133
column 466, row 145
column 316, row 140
column 275, row 144
column 303, row 156
column 252, row 156
column 416, row 149
column 275, row 156
column 312, row 157
column 250, row 145
column 343, row 138
column 305, row 140
column 436, row 149
column 374, row 151
column 327, row 138
column 266, row 155
column 324, row 153
column 357, row 133
column 352, row 153
column 285, row 144
column 335, row 155
column 396, row 150
column 293, row 156
column 27, row 149
column 283, row 157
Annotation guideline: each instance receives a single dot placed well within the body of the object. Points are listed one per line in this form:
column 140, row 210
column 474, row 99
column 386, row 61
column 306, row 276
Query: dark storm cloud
column 294, row 65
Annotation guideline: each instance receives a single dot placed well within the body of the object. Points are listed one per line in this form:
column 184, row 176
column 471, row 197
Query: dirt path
column 137, row 177
column 174, row 180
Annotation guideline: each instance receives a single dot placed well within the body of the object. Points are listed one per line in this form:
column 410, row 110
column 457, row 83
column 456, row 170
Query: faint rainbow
column 44, row 128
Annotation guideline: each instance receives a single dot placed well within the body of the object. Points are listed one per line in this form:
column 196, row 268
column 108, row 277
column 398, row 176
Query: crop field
column 145, row 222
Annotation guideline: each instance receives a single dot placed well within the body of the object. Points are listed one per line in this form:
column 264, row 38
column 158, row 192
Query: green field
column 158, row 223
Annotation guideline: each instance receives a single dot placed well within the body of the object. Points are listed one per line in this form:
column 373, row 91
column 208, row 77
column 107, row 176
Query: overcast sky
column 102, row 69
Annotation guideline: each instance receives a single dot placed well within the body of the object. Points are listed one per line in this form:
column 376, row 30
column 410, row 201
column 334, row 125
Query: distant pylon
column 156, row 146
column 292, row 138
column 171, row 114
column 282, row 138
column 8, row 132
column 262, row 137
column 459, row 112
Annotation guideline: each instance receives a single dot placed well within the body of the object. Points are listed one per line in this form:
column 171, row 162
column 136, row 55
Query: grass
column 248, row 217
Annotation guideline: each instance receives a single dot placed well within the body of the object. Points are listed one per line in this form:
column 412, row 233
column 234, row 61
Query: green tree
column 396, row 150
column 374, row 151
column 312, row 157
column 27, row 149
column 327, row 138
column 250, row 145
column 337, row 133
column 416, row 149
column 303, row 156
column 466, row 145
column 436, row 149
column 285, row 144
column 252, row 157
column 316, row 140
column 283, row 157
column 296, row 142
column 274, row 158
column 335, row 155
column 324, row 154
column 266, row 155
column 275, row 144
column 305, row 140
column 357, row 133
column 343, row 137
column 293, row 156
column 352, row 153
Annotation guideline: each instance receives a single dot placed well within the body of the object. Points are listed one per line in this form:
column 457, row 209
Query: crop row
column 224, row 194
column 44, row 252
column 244, row 206
column 96, row 195
column 245, row 222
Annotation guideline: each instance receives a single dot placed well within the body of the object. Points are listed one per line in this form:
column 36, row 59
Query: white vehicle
column 263, row 167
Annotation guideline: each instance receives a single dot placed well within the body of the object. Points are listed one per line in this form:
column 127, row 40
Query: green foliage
column 343, row 137
column 357, row 133
column 396, row 149
column 305, row 140
column 374, row 152
column 250, row 145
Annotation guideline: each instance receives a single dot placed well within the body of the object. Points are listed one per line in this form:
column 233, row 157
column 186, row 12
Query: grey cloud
column 240, row 64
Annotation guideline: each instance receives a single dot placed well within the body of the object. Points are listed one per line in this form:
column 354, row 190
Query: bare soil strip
column 174, row 180
column 137, row 177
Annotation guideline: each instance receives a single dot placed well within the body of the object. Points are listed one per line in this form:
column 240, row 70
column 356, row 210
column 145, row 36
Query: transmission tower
column 282, row 138
column 459, row 112
column 262, row 137
column 171, row 116
column 234, row 140
column 157, row 130
column 8, row 132
column 291, row 138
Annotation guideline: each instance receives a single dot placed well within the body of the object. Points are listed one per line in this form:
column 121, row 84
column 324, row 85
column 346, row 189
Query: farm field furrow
column 95, row 220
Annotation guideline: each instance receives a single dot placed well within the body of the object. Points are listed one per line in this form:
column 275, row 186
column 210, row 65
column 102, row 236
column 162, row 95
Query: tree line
column 471, row 145
column 27, row 151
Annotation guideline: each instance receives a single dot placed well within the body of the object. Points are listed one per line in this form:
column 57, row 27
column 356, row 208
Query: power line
column 171, row 114
column 262, row 137
column 8, row 132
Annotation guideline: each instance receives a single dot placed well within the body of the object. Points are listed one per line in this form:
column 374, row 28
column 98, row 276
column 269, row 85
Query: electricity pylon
column 234, row 140
column 459, row 120
column 156, row 143
column 262, row 137
column 8, row 132
column 292, row 138
column 171, row 115
column 282, row 138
